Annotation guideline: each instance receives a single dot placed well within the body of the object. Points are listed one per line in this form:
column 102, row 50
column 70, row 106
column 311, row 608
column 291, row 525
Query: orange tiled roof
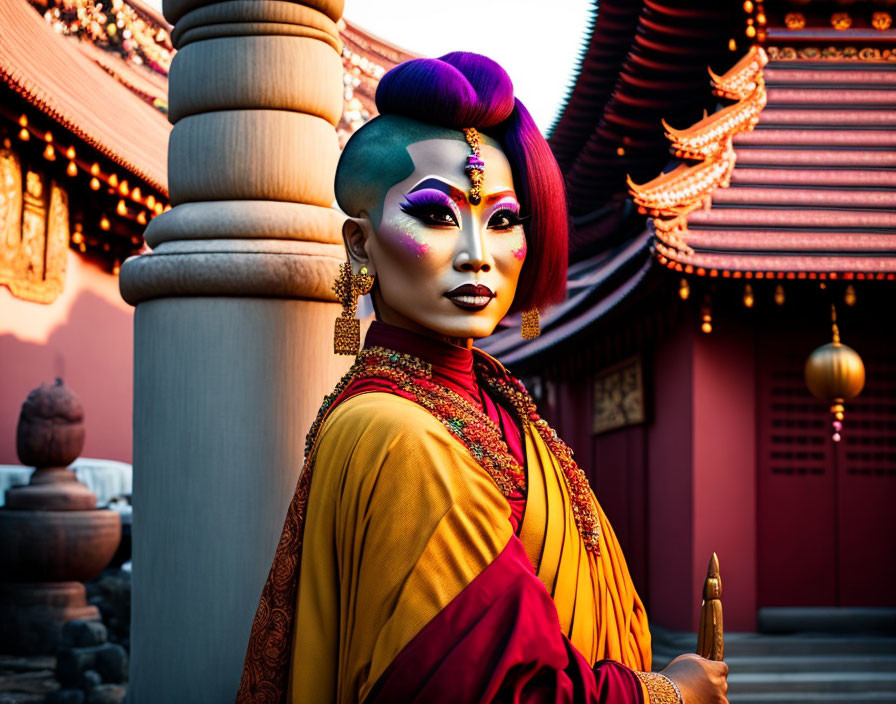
column 109, row 103
column 49, row 72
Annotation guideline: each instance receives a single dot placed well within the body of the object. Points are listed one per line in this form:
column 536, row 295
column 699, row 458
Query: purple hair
column 463, row 89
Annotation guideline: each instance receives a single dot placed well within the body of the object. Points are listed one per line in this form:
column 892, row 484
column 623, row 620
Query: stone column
column 233, row 329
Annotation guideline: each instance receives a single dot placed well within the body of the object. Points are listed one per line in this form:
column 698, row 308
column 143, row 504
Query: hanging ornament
column 835, row 373
column 849, row 296
column 749, row 300
column 779, row 295
column 684, row 290
column 706, row 315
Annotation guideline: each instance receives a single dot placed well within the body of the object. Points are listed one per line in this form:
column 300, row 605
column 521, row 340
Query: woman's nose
column 473, row 255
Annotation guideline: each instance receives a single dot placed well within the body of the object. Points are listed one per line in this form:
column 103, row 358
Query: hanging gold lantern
column 835, row 373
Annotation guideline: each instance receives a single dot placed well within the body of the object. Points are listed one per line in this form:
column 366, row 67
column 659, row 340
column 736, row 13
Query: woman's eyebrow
column 495, row 197
column 457, row 195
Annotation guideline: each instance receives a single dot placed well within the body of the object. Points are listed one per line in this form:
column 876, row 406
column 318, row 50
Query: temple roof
column 645, row 61
column 790, row 175
column 68, row 83
column 113, row 94
column 365, row 58
column 811, row 187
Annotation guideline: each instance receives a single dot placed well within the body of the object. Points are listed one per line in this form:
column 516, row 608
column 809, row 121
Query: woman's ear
column 355, row 233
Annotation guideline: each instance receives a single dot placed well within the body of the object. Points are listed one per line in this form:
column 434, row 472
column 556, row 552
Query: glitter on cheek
column 412, row 245
column 520, row 252
column 403, row 233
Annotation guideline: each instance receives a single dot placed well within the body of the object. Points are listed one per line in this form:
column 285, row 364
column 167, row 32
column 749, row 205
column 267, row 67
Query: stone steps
column 813, row 663
column 803, row 667
column 810, row 682
column 754, row 644
column 815, row 698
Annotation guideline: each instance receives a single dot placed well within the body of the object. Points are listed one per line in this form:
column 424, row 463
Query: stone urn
column 52, row 536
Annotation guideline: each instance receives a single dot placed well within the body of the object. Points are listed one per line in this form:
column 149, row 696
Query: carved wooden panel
column 33, row 231
column 618, row 396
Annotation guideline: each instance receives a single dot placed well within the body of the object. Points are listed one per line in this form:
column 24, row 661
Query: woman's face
column 443, row 264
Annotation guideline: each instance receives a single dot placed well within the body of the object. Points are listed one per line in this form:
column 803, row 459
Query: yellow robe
column 401, row 519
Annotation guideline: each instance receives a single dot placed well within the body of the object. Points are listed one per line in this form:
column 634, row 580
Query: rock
column 31, row 682
column 109, row 660
column 111, row 594
column 112, row 663
column 82, row 633
column 19, row 663
column 107, row 694
column 21, row 698
column 90, row 679
column 65, row 696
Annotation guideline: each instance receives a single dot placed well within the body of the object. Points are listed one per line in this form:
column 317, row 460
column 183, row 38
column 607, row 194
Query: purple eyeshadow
column 429, row 196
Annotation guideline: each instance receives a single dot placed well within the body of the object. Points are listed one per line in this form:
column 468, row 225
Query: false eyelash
column 417, row 202
column 513, row 217
column 429, row 196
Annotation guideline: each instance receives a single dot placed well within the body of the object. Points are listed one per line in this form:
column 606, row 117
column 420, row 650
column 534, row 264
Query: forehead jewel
column 475, row 166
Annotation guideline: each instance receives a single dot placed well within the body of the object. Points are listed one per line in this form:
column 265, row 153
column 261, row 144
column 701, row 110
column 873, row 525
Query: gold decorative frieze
column 831, row 53
column 33, row 231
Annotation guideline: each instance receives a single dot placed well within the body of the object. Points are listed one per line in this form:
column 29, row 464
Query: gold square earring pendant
column 347, row 287
column 531, row 326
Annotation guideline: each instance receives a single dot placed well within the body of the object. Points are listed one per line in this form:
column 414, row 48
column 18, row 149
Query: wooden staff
column 710, row 638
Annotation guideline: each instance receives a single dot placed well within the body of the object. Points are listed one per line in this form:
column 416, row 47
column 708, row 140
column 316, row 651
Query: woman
column 448, row 547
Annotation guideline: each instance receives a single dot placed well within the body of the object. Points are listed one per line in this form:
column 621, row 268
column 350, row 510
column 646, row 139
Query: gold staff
column 710, row 638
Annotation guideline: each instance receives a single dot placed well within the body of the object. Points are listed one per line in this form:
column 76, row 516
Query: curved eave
column 812, row 194
column 49, row 72
column 595, row 287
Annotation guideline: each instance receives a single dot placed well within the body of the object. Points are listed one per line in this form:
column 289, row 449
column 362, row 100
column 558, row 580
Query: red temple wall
column 736, row 458
column 673, row 494
column 670, row 451
column 724, row 471
column 86, row 337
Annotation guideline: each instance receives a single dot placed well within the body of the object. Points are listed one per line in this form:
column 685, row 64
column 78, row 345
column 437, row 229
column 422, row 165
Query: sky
column 539, row 48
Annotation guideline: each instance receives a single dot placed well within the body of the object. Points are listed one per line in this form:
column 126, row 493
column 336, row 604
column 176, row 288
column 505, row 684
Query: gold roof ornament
column 741, row 80
column 670, row 197
column 835, row 373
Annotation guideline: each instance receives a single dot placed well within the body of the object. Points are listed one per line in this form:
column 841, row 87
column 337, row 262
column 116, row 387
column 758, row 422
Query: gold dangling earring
column 531, row 327
column 348, row 286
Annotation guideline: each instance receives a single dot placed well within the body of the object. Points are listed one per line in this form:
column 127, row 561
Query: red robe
column 500, row 638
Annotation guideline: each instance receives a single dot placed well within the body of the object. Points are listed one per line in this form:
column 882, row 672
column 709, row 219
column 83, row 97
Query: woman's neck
column 397, row 320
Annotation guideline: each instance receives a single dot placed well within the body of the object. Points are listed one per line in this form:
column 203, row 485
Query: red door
column 827, row 511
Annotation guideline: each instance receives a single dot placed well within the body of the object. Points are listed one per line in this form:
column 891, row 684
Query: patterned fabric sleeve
column 660, row 689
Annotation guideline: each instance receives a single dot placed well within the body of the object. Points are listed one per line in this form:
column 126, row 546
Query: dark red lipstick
column 471, row 296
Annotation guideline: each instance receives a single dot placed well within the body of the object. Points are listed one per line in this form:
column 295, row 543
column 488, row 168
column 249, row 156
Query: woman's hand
column 700, row 681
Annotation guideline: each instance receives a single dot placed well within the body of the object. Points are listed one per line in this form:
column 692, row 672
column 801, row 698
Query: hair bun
column 457, row 90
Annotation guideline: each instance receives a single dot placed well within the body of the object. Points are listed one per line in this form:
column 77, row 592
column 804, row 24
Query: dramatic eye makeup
column 432, row 207
column 505, row 215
